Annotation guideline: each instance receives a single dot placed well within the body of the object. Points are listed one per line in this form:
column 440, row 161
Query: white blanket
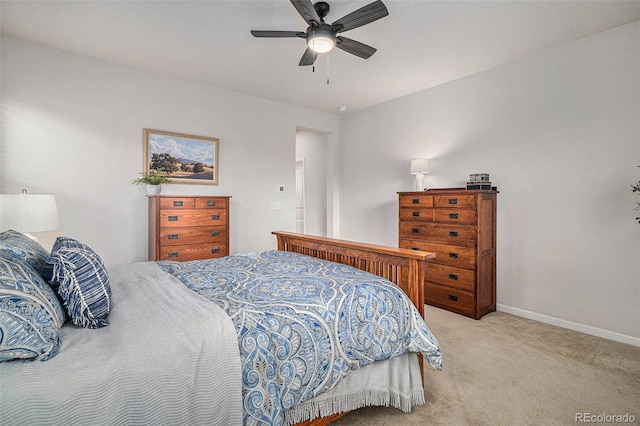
column 167, row 357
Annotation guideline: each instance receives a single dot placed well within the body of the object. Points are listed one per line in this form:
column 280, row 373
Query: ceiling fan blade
column 355, row 47
column 307, row 11
column 364, row 15
column 267, row 33
column 308, row 58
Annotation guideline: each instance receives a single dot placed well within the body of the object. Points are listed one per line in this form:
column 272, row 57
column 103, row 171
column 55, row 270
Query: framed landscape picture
column 183, row 158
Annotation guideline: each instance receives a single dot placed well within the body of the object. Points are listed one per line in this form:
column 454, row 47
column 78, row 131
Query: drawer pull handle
column 453, row 255
column 453, row 277
column 453, row 233
column 416, row 214
column 173, row 218
column 215, row 217
column 172, row 236
column 452, row 297
column 178, row 203
column 415, row 230
column 453, row 215
column 215, row 233
column 215, row 250
column 453, row 201
column 173, row 254
column 415, row 200
column 415, row 248
column 211, row 203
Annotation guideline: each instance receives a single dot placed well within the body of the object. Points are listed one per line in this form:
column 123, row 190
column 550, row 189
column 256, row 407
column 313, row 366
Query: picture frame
column 184, row 158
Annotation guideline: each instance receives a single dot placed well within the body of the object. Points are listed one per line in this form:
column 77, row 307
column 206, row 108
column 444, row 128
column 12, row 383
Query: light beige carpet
column 508, row 370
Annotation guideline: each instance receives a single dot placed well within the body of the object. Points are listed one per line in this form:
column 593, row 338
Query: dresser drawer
column 455, row 215
column 197, row 217
column 416, row 200
column 211, row 203
column 461, row 257
column 455, row 201
column 416, row 213
column 463, row 279
column 451, row 299
column 192, row 251
column 177, row 203
column 177, row 236
column 456, row 235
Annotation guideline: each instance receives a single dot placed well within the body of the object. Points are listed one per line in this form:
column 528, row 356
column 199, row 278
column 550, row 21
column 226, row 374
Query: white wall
column 72, row 126
column 559, row 133
column 312, row 147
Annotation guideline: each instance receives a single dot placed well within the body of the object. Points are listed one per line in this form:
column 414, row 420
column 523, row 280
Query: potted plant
column 154, row 181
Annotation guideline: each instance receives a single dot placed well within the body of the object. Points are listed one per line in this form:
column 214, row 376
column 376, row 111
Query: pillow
column 24, row 247
column 47, row 267
column 30, row 313
column 83, row 285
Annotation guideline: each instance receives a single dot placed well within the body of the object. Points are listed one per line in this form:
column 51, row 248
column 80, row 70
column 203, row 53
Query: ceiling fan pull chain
column 313, row 48
column 328, row 70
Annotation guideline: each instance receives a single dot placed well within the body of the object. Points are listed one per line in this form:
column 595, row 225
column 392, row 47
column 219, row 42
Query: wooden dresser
column 188, row 227
column 459, row 225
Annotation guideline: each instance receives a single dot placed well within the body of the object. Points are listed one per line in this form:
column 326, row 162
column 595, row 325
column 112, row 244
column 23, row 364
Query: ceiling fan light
column 321, row 41
column 321, row 44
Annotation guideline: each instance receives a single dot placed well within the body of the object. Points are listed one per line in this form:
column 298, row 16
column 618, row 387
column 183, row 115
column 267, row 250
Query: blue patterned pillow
column 30, row 313
column 24, row 247
column 83, row 285
column 47, row 267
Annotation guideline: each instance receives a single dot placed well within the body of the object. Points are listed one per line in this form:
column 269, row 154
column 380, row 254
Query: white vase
column 154, row 189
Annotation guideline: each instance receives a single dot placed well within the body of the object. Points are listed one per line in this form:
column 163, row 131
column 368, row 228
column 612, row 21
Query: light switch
column 275, row 205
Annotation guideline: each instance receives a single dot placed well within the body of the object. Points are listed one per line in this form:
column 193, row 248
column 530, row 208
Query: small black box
column 479, row 185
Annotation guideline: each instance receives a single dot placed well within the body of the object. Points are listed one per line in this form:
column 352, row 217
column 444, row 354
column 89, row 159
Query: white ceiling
column 420, row 44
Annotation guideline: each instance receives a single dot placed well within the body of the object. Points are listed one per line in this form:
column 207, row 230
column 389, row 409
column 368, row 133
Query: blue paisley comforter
column 304, row 323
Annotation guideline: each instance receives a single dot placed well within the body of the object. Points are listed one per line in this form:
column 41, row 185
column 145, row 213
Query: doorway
column 311, row 182
column 300, row 196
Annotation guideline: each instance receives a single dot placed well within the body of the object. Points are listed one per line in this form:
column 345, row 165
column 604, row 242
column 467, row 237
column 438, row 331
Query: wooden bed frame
column 404, row 267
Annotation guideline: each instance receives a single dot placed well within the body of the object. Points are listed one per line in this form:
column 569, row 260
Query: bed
column 171, row 356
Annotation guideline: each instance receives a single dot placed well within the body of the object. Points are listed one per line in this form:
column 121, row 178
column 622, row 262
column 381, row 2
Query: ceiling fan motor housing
column 322, row 9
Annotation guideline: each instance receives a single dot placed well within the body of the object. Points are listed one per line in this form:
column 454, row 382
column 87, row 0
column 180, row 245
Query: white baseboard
column 587, row 329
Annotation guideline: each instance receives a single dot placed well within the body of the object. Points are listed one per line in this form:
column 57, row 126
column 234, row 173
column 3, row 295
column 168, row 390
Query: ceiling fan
column 322, row 37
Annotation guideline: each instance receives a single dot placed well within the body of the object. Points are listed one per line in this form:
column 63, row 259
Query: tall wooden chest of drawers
column 459, row 225
column 188, row 227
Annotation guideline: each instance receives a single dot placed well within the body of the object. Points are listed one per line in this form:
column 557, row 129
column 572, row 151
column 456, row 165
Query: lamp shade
column 419, row 165
column 28, row 212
